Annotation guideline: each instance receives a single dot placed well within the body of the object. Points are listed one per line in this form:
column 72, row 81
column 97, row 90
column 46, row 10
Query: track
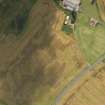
column 71, row 87
column 101, row 7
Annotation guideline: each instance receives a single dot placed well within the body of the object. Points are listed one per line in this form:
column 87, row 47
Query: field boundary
column 72, row 85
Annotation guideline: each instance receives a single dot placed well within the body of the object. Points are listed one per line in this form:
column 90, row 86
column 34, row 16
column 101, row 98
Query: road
column 76, row 82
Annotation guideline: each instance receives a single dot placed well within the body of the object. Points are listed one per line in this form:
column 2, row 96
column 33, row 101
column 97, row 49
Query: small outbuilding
column 93, row 22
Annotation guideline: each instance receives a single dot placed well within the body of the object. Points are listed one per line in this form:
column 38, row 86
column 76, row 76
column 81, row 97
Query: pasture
column 90, row 39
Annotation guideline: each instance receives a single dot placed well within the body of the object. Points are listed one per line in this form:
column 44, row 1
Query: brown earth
column 35, row 66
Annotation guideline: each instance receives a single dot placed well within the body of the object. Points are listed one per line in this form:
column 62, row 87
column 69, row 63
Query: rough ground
column 35, row 66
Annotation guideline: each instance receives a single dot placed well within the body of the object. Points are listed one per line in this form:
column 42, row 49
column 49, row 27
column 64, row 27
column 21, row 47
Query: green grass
column 67, row 29
column 91, row 40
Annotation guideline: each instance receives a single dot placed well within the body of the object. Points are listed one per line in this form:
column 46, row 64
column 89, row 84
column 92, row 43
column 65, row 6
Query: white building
column 72, row 5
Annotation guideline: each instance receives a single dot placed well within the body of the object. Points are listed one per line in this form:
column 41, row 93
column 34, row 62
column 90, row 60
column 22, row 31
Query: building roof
column 71, row 4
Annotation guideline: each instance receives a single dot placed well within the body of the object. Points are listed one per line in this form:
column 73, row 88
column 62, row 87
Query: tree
column 73, row 16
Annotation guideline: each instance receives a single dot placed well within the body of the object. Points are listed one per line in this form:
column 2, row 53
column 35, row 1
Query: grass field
column 92, row 92
column 91, row 40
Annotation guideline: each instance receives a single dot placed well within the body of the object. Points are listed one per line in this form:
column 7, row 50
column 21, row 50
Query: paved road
column 74, row 82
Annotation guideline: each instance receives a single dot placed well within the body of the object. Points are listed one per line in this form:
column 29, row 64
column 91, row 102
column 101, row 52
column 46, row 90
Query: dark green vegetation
column 13, row 15
column 67, row 29
column 57, row 2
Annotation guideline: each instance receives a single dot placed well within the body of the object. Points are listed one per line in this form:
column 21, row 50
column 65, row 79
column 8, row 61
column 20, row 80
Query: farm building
column 72, row 5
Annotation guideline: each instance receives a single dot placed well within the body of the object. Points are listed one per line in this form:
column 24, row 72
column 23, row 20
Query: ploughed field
column 36, row 63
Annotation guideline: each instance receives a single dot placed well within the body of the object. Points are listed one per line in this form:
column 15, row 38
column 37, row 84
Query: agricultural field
column 39, row 62
column 13, row 15
column 38, row 59
column 91, row 39
column 101, row 8
column 92, row 92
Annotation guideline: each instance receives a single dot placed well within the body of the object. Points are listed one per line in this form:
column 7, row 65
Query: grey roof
column 71, row 4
